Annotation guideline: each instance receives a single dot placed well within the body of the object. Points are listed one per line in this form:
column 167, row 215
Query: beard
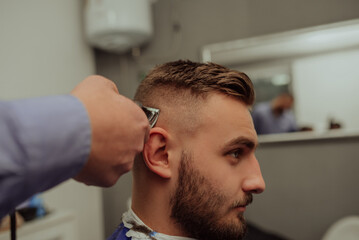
column 197, row 206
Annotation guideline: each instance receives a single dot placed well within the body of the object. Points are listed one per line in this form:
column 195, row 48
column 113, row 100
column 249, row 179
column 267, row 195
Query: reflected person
column 275, row 116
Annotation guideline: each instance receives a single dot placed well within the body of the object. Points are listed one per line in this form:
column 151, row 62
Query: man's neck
column 152, row 204
column 158, row 219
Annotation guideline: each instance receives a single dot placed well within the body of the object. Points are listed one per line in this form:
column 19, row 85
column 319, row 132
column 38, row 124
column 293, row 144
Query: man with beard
column 198, row 171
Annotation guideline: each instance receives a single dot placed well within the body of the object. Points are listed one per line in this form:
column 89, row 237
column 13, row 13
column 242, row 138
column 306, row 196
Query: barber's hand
column 119, row 130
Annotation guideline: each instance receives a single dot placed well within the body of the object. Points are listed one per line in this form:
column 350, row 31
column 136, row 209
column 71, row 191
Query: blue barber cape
column 120, row 233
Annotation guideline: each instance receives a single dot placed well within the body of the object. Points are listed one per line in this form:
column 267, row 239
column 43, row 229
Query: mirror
column 319, row 66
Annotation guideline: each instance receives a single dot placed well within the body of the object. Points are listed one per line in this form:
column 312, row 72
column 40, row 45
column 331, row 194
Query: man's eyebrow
column 249, row 143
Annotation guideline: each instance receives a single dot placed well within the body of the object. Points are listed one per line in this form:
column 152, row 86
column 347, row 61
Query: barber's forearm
column 43, row 142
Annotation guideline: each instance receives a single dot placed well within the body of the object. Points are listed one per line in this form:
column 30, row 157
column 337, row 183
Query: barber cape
column 132, row 228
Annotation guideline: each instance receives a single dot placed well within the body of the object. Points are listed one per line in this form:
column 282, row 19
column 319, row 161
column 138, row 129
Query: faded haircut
column 183, row 78
column 179, row 87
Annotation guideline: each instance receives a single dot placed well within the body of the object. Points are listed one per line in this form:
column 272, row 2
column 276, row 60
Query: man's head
column 198, row 170
column 282, row 103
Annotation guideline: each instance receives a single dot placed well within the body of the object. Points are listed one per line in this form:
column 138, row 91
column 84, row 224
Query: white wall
column 42, row 52
column 327, row 86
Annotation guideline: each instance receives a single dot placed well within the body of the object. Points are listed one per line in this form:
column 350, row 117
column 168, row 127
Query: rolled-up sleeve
column 43, row 142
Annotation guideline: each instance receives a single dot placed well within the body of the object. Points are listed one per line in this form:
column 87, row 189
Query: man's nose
column 253, row 182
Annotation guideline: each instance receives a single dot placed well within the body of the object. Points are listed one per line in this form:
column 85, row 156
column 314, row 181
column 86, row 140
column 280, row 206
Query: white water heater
column 118, row 25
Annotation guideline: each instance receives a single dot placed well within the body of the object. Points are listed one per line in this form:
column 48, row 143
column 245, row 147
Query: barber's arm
column 91, row 135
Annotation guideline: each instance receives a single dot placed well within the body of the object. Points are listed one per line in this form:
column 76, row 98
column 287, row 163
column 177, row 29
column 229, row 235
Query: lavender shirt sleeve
column 43, row 142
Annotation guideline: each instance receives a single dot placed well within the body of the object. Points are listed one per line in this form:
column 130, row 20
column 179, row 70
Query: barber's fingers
column 119, row 130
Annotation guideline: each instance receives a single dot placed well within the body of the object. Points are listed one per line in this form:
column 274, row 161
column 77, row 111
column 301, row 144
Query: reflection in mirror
column 318, row 66
column 273, row 109
column 269, row 80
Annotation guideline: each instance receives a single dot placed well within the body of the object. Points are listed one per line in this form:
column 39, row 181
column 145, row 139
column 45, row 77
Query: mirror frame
column 295, row 43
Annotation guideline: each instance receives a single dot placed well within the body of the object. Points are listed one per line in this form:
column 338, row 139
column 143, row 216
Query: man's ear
column 155, row 153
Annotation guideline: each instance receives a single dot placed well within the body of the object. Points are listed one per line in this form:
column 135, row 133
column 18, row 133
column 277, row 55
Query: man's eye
column 237, row 153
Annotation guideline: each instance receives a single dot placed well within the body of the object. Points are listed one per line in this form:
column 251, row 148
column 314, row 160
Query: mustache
column 248, row 199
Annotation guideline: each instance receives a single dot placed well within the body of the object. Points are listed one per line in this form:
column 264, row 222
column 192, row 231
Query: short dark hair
column 172, row 78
